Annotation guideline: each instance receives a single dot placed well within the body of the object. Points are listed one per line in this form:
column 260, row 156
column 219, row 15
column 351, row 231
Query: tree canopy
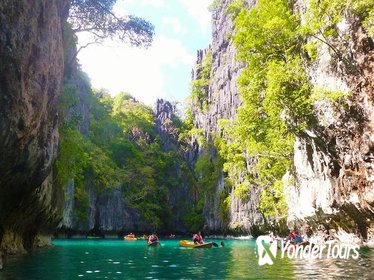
column 98, row 18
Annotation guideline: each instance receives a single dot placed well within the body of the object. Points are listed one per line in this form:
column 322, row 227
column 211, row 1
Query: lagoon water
column 119, row 259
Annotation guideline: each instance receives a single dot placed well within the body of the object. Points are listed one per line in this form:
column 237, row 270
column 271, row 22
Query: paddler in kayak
column 152, row 238
column 197, row 238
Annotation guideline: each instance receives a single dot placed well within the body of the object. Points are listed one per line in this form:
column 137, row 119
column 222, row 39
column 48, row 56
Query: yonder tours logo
column 267, row 249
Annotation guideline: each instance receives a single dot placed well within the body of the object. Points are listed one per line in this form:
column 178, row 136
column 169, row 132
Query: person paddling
column 197, row 238
column 152, row 238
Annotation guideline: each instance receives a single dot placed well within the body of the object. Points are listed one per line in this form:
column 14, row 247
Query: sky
column 162, row 71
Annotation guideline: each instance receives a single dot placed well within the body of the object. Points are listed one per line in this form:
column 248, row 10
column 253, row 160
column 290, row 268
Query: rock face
column 107, row 211
column 164, row 114
column 166, row 121
column 334, row 167
column 31, row 69
column 332, row 173
column 75, row 78
column 223, row 101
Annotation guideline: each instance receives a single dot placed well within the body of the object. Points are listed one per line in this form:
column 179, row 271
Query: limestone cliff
column 31, row 69
column 334, row 166
column 331, row 178
column 107, row 210
column 107, row 213
column 222, row 102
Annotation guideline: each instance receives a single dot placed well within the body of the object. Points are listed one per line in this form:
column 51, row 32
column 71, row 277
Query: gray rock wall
column 31, row 70
column 334, row 166
column 223, row 101
column 107, row 211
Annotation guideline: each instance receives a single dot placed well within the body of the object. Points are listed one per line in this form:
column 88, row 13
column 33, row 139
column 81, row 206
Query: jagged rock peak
column 165, row 114
column 164, row 109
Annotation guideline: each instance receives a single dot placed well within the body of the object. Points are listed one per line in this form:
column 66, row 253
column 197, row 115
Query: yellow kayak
column 187, row 243
column 130, row 238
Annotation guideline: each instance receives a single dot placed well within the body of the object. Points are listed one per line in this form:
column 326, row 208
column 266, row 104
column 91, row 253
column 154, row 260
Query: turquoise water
column 118, row 259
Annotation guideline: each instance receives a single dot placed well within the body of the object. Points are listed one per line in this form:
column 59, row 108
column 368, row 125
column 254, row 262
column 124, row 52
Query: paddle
column 214, row 243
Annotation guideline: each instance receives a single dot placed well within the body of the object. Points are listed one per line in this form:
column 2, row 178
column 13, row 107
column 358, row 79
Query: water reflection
column 325, row 268
column 243, row 264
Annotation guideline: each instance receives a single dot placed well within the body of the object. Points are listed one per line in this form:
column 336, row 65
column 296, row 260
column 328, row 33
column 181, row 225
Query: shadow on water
column 118, row 259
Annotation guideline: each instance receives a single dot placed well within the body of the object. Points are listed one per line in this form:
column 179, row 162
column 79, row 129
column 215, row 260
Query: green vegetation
column 276, row 49
column 277, row 95
column 98, row 18
column 214, row 5
column 206, row 171
column 275, row 91
column 200, row 86
column 121, row 148
column 323, row 19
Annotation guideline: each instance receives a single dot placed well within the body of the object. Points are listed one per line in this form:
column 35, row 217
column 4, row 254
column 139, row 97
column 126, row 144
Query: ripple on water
column 173, row 265
column 89, row 271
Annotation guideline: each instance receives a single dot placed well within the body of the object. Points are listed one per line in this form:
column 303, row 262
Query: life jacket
column 197, row 237
column 298, row 239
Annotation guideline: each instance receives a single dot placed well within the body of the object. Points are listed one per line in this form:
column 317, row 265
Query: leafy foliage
column 277, row 96
column 121, row 149
column 194, row 218
column 276, row 101
column 365, row 10
column 200, row 86
column 207, row 170
column 324, row 16
column 214, row 5
column 323, row 19
column 97, row 17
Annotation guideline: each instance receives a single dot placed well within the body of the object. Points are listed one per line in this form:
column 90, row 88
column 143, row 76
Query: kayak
column 186, row 243
column 94, row 237
column 154, row 244
column 130, row 238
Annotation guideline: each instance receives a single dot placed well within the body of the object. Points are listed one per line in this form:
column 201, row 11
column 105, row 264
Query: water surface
column 118, row 259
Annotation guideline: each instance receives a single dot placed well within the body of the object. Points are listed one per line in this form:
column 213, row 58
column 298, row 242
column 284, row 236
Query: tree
column 97, row 17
